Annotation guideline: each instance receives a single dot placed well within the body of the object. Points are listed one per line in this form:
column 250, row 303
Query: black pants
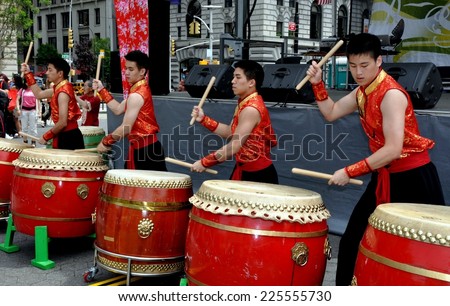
column 266, row 175
column 419, row 185
column 71, row 140
column 150, row 158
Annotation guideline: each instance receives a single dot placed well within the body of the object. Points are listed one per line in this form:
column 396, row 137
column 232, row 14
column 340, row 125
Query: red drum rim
column 13, row 146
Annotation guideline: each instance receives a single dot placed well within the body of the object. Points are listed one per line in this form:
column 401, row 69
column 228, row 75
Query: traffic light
column 196, row 28
column 70, row 38
column 192, row 28
column 172, row 47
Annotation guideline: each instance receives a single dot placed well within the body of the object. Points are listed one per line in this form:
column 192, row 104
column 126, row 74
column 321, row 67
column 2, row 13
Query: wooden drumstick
column 205, row 94
column 97, row 73
column 86, row 150
column 29, row 136
column 323, row 61
column 321, row 175
column 187, row 165
column 30, row 47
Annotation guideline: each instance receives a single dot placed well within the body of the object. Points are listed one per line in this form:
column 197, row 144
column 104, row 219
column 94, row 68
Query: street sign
column 65, row 56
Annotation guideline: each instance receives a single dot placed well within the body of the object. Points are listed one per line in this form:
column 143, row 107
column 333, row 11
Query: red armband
column 209, row 160
column 29, row 79
column 320, row 92
column 108, row 140
column 360, row 168
column 48, row 135
column 209, row 123
column 105, row 95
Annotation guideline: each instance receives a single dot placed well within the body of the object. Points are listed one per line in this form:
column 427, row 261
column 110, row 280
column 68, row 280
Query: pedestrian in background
column 28, row 109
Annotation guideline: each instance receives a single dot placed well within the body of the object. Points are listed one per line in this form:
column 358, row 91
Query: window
column 228, row 27
column 97, row 16
column 51, row 22
column 280, row 2
column 52, row 41
column 65, row 44
column 83, row 17
column 53, row 1
column 315, row 25
column 342, row 22
column 279, row 29
column 292, row 3
column 39, row 23
column 228, row 3
column 179, row 8
column 179, row 32
column 84, row 38
column 65, row 20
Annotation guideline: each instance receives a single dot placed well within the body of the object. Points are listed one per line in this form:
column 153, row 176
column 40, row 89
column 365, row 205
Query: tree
column 85, row 59
column 15, row 23
column 45, row 53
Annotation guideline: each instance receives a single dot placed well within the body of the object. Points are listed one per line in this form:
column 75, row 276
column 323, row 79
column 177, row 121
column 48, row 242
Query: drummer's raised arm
column 116, row 107
column 31, row 83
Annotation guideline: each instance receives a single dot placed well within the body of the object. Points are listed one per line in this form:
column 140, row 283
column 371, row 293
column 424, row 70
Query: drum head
column 91, row 130
column 58, row 159
column 261, row 200
column 147, row 179
column 9, row 145
column 422, row 222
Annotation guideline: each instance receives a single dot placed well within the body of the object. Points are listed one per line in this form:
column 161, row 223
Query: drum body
column 9, row 151
column 92, row 135
column 245, row 233
column 142, row 218
column 406, row 245
column 58, row 189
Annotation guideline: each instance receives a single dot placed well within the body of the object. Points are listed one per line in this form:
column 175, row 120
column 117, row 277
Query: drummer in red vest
column 250, row 132
column 139, row 122
column 91, row 105
column 400, row 165
column 65, row 110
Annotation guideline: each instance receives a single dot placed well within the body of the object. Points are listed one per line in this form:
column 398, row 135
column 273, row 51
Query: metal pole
column 210, row 37
column 70, row 49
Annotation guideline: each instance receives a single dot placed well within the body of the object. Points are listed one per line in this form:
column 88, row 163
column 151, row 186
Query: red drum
column 246, row 233
column 405, row 245
column 9, row 151
column 58, row 189
column 141, row 220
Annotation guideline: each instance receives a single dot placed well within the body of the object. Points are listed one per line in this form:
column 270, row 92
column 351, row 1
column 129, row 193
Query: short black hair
column 364, row 43
column 60, row 65
column 252, row 70
column 140, row 58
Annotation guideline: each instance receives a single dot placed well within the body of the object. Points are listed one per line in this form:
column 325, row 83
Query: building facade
column 86, row 18
column 298, row 26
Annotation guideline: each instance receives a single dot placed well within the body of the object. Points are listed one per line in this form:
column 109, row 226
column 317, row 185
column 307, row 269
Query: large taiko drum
column 246, row 233
column 9, row 151
column 141, row 220
column 58, row 189
column 406, row 245
column 92, row 135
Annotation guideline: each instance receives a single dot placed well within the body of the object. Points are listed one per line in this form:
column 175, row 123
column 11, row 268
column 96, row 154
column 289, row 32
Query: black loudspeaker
column 280, row 81
column 200, row 75
column 422, row 81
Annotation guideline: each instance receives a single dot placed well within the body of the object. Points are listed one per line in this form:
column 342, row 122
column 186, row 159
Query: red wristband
column 360, row 168
column 29, row 79
column 105, row 95
column 209, row 160
column 48, row 135
column 108, row 140
column 209, row 123
column 320, row 92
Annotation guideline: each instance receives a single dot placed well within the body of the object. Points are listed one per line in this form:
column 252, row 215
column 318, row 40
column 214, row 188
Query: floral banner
column 132, row 30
